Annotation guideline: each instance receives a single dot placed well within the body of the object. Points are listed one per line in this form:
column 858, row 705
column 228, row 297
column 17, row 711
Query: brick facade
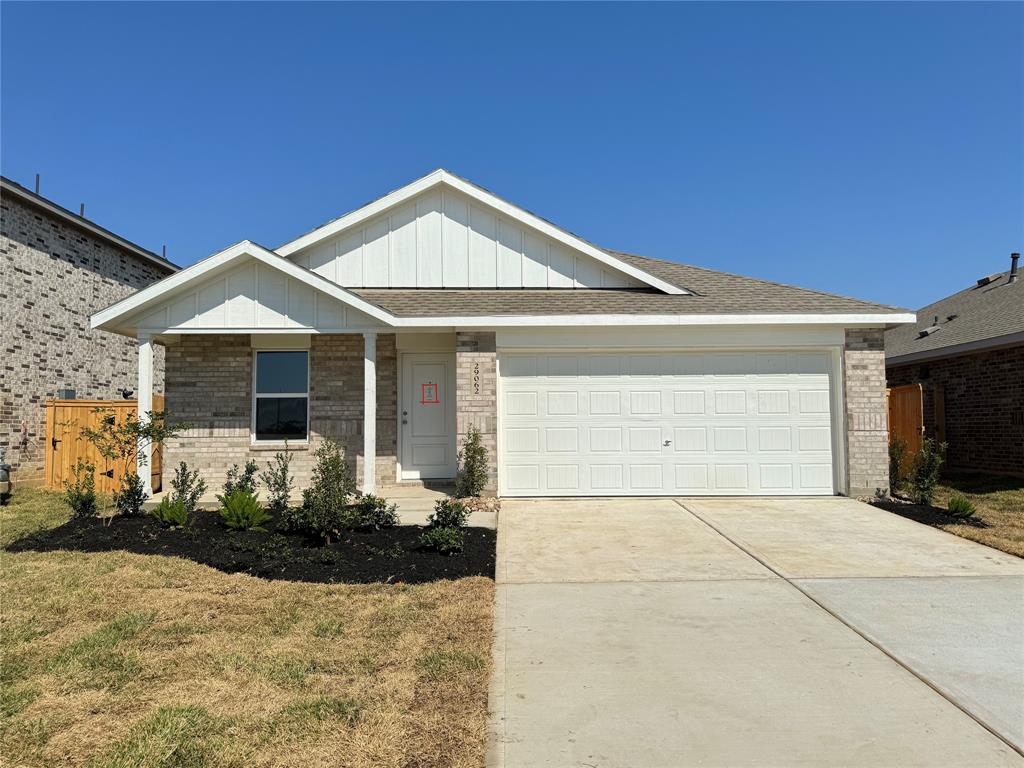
column 209, row 385
column 867, row 442
column 54, row 276
column 476, row 394
column 983, row 397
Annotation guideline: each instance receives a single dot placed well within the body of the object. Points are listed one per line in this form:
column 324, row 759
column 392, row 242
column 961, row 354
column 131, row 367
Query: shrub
column 242, row 511
column 897, row 455
column 129, row 498
column 278, row 482
column 171, row 512
column 472, row 475
column 376, row 512
column 924, row 471
column 960, row 507
column 324, row 503
column 187, row 487
column 80, row 493
column 240, row 480
column 449, row 513
column 447, row 541
column 292, row 519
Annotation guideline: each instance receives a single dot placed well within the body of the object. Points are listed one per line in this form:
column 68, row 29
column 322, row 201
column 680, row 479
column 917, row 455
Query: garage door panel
column 668, row 424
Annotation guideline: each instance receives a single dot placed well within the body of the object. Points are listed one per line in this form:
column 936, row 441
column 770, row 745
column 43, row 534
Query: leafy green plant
column 376, row 512
column 325, row 510
column 242, row 511
column 129, row 498
column 171, row 512
column 80, row 492
column 897, row 456
column 472, row 474
column 278, row 481
column 923, row 476
column 240, row 480
column 447, row 541
column 125, row 441
column 449, row 513
column 961, row 507
column 293, row 520
column 187, row 487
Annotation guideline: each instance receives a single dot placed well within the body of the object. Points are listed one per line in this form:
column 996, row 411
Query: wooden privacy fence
column 906, row 416
column 65, row 445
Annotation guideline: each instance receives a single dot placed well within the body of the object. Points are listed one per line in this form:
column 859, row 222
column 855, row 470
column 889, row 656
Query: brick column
column 476, row 394
column 867, row 437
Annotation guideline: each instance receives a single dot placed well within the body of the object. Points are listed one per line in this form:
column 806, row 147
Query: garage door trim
column 837, row 420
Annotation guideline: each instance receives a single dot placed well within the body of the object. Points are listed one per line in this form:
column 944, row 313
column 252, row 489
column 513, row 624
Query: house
column 967, row 354
column 58, row 268
column 440, row 306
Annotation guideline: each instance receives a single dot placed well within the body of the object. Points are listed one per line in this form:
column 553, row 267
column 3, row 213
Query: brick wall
column 476, row 394
column 983, row 395
column 209, row 385
column 867, row 442
column 54, row 276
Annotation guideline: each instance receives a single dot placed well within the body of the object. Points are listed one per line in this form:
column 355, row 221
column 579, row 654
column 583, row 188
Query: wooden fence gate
column 906, row 416
column 65, row 445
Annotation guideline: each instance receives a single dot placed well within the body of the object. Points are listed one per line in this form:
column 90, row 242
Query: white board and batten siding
column 253, row 296
column 667, row 423
column 442, row 239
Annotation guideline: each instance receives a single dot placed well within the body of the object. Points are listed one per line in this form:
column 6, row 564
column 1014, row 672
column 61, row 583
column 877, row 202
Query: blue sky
column 874, row 150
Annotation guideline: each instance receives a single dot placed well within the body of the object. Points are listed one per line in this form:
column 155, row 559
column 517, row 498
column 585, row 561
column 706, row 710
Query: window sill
column 272, row 445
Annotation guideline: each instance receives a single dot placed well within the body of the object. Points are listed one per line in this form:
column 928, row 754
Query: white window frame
column 255, row 395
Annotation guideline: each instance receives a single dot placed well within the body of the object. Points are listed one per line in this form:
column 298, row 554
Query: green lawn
column 117, row 659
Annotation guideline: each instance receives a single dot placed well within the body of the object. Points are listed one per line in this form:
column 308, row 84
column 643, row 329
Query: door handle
column 54, row 441
column 667, row 443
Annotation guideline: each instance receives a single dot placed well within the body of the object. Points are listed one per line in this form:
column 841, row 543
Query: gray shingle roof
column 978, row 313
column 714, row 293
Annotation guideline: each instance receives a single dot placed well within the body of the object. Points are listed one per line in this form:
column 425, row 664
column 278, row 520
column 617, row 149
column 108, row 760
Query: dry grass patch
column 118, row 659
column 1000, row 509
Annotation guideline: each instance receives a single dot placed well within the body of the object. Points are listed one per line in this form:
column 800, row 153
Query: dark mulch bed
column 926, row 513
column 391, row 555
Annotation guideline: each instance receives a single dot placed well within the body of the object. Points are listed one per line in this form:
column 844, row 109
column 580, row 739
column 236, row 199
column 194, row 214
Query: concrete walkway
column 734, row 632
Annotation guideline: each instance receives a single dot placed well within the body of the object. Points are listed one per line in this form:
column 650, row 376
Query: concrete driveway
column 733, row 632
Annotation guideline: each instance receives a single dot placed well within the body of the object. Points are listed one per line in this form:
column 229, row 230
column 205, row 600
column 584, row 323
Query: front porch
column 363, row 391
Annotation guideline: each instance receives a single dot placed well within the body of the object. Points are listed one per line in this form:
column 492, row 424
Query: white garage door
column 603, row 424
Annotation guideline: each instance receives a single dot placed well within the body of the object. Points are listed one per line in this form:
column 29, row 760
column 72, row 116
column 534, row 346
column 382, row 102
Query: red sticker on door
column 428, row 394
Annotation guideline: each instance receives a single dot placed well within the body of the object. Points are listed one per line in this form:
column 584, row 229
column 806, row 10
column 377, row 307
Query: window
column 281, row 400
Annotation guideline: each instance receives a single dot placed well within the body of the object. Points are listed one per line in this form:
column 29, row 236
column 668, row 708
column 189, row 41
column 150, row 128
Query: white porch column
column 369, row 411
column 145, row 404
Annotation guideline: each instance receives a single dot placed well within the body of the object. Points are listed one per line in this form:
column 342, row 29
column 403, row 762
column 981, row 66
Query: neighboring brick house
column 57, row 269
column 589, row 372
column 967, row 353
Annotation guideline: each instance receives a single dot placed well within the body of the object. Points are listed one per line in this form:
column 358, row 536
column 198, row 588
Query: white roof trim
column 514, row 212
column 505, row 321
column 106, row 319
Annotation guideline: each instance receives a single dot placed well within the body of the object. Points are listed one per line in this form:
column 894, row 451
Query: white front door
column 427, row 417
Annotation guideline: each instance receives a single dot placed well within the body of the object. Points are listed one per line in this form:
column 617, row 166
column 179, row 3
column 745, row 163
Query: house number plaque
column 476, row 378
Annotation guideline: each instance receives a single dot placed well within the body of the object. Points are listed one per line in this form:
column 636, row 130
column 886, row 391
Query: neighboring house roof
column 712, row 293
column 10, row 187
column 977, row 317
